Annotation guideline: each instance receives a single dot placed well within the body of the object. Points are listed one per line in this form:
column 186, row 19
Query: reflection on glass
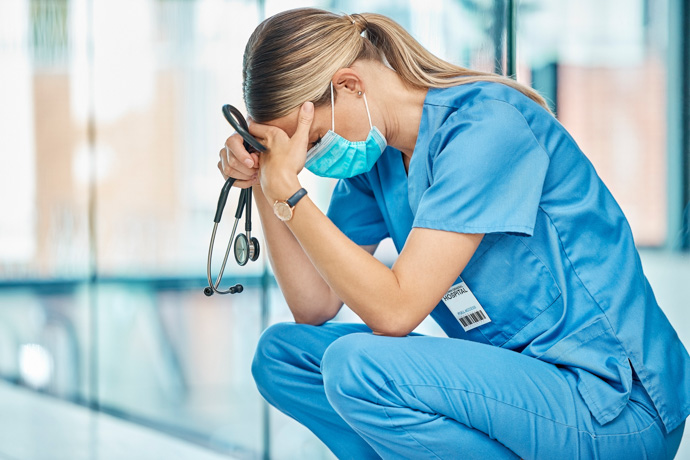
column 35, row 365
column 181, row 359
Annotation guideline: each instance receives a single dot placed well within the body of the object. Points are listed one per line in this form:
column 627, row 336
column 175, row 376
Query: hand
column 236, row 162
column 285, row 156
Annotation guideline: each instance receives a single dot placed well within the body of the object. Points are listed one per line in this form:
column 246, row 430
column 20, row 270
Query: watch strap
column 292, row 201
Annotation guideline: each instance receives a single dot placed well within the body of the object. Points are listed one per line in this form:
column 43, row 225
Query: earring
column 359, row 93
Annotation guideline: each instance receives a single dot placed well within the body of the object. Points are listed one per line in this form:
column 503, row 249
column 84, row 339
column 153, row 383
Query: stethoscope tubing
column 211, row 284
column 222, row 199
column 237, row 121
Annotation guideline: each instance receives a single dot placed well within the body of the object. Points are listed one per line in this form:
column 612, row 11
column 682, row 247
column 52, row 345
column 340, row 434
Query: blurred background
column 110, row 127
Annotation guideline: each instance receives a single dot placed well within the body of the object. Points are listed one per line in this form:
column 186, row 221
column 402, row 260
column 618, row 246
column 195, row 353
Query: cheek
column 320, row 125
column 354, row 123
column 356, row 129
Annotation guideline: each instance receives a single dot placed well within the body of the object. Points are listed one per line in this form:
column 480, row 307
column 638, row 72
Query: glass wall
column 604, row 67
column 111, row 125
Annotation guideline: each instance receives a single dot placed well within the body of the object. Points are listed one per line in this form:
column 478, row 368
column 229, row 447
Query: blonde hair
column 291, row 58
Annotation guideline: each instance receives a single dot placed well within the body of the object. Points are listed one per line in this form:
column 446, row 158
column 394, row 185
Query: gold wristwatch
column 283, row 209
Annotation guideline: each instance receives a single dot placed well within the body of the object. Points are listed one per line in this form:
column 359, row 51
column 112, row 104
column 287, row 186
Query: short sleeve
column 355, row 211
column 486, row 173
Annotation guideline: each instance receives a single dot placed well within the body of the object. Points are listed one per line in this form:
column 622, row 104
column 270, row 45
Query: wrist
column 281, row 188
column 258, row 192
column 284, row 209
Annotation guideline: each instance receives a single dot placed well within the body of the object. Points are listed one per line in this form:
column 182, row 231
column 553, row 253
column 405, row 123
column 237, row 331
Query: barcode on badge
column 465, row 307
column 472, row 318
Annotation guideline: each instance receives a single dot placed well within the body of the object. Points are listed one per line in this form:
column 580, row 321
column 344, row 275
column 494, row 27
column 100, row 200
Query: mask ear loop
column 366, row 105
column 364, row 95
column 332, row 110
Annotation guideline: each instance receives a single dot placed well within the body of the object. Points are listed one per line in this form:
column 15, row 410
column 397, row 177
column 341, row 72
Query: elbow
column 390, row 332
column 316, row 318
column 312, row 320
column 393, row 331
column 304, row 312
column 394, row 328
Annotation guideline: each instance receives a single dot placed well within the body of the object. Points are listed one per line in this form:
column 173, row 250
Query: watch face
column 282, row 210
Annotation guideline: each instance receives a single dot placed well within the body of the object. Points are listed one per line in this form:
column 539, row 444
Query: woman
column 556, row 346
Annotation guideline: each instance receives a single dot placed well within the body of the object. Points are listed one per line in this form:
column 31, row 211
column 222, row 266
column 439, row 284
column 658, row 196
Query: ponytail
column 419, row 68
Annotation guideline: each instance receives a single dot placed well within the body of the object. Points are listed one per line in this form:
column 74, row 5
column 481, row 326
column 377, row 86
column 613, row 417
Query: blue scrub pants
column 419, row 397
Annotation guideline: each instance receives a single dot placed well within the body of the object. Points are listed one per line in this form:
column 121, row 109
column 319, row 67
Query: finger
column 261, row 131
column 220, row 168
column 235, row 144
column 255, row 157
column 230, row 167
column 304, row 121
column 246, row 183
column 230, row 161
column 238, row 175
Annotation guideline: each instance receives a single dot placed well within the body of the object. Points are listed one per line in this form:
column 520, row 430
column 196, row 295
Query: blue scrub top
column 557, row 270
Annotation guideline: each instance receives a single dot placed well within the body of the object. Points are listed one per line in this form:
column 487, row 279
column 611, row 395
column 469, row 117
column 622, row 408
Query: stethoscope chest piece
column 246, row 249
column 241, row 249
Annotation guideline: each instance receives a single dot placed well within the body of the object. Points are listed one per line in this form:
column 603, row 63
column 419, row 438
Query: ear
column 348, row 80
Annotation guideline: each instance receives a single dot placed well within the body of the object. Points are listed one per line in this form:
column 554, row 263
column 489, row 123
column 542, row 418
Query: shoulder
column 490, row 120
column 467, row 95
column 492, row 104
column 480, row 112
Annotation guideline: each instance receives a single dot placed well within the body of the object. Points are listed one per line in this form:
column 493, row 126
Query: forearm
column 308, row 296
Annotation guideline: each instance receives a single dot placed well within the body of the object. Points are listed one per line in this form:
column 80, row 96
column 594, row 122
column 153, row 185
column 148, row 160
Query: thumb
column 304, row 120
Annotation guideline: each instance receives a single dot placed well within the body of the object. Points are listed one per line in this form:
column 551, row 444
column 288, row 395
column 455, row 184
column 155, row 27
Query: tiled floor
column 39, row 427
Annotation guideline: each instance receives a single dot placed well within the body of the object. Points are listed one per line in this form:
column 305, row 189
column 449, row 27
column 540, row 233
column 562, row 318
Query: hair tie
column 355, row 18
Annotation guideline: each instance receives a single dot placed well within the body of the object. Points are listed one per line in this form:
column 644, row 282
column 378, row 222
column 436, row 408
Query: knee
column 350, row 374
column 272, row 353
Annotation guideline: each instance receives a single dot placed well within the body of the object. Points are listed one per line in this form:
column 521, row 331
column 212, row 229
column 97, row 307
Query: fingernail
column 249, row 163
column 308, row 107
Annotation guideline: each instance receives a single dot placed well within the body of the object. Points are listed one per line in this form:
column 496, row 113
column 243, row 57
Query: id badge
column 465, row 307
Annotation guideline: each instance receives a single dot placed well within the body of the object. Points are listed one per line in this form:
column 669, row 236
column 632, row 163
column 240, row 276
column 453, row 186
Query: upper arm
column 486, row 173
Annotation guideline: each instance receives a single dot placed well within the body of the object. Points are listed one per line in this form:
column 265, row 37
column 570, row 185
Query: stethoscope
column 246, row 247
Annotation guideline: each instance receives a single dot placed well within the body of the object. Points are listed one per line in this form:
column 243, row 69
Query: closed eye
column 316, row 142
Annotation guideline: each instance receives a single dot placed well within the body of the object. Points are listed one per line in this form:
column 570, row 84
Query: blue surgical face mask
column 334, row 156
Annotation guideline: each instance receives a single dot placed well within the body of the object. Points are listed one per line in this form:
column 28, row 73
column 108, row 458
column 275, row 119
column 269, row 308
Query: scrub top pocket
column 513, row 286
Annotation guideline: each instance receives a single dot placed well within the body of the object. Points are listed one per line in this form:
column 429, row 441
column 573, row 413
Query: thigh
column 530, row 406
